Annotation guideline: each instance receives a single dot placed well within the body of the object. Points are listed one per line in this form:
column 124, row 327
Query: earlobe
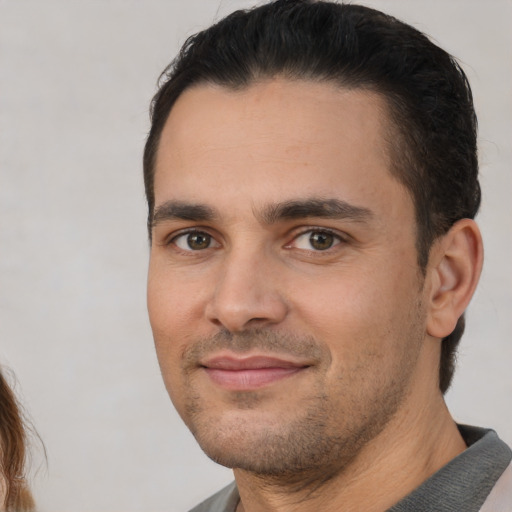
column 454, row 269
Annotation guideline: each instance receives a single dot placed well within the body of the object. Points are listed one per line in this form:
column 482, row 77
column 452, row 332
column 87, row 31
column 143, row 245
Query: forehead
column 296, row 137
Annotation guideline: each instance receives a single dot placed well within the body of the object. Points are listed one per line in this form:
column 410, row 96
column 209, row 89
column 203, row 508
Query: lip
column 249, row 372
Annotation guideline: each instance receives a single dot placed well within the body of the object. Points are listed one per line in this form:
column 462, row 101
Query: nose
column 246, row 294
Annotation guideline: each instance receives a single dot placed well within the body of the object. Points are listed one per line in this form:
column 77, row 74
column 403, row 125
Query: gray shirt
column 479, row 479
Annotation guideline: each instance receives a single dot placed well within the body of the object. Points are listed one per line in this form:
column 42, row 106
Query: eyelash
column 183, row 234
column 338, row 239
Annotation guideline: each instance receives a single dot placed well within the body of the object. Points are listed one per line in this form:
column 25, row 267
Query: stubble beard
column 315, row 444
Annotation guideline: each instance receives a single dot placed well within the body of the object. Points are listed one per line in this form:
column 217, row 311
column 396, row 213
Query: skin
column 281, row 233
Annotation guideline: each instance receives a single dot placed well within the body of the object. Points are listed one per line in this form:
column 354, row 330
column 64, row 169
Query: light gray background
column 76, row 78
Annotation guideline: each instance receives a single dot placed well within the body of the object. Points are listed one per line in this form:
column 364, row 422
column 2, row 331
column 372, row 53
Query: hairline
column 398, row 149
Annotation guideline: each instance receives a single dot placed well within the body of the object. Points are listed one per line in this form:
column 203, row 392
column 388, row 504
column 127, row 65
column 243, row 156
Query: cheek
column 173, row 303
column 360, row 315
column 166, row 315
column 170, row 320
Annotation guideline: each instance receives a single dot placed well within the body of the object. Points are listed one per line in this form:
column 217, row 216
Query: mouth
column 236, row 373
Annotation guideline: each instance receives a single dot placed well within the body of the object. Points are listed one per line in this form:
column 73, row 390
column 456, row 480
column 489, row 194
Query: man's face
column 284, row 293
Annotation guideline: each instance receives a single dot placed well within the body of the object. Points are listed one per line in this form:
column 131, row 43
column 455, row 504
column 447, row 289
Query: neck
column 412, row 447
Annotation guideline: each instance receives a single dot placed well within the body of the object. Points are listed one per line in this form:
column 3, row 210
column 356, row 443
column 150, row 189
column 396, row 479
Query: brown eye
column 316, row 240
column 197, row 241
column 321, row 240
column 194, row 241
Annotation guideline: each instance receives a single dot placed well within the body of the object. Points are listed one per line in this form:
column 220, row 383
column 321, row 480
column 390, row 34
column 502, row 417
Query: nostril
column 243, row 294
column 249, row 313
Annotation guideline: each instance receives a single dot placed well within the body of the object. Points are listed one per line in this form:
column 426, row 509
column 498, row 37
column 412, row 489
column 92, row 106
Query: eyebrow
column 179, row 210
column 313, row 207
column 270, row 214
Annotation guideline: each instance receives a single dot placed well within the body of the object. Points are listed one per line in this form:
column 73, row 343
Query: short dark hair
column 433, row 129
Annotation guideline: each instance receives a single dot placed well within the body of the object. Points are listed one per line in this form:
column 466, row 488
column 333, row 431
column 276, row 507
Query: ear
column 455, row 264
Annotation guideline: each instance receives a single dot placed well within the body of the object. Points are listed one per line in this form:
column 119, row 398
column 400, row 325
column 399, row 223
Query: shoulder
column 226, row 500
column 500, row 497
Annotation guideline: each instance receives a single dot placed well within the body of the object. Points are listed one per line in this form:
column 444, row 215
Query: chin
column 274, row 448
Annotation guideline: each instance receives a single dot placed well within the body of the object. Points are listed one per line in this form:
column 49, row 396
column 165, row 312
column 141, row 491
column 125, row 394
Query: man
column 311, row 176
